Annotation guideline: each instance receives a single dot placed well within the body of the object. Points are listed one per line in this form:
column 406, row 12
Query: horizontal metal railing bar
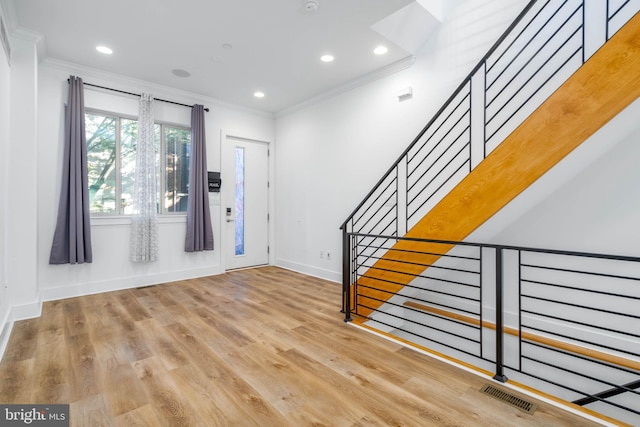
column 358, row 255
column 424, row 338
column 419, row 264
column 464, row 114
column 374, row 201
column 466, row 81
column 534, row 74
column 576, row 322
column 468, row 285
column 593, row 273
column 442, row 255
column 373, row 288
column 412, row 183
column 528, row 62
column 413, row 299
column 389, row 192
column 516, row 111
column 581, row 393
column 573, row 288
column 583, row 375
column 584, row 307
column 466, row 325
column 384, row 215
column 388, row 224
column 433, row 193
column 616, row 390
column 531, row 39
column 442, row 155
column 598, row 360
column 447, row 319
column 602, row 346
column 517, row 37
column 508, row 247
column 622, row 6
column 577, row 373
column 412, row 287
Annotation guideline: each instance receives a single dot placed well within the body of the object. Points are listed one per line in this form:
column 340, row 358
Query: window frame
column 163, row 166
column 161, row 176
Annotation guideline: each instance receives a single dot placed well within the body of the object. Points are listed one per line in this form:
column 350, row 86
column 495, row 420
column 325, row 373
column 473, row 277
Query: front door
column 245, row 176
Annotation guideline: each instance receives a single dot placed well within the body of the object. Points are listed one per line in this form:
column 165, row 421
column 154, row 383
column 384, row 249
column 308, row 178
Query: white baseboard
column 62, row 292
column 333, row 276
column 13, row 314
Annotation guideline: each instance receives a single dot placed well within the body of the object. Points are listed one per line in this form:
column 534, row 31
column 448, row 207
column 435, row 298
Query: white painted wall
column 21, row 196
column 330, row 153
column 5, row 118
column 111, row 268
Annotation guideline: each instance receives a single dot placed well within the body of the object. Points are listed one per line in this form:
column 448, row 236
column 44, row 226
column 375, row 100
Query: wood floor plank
column 165, row 395
column 258, row 347
column 91, row 411
column 142, row 417
column 82, row 378
column 13, row 376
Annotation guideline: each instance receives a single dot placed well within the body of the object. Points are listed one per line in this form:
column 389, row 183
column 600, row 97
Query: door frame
column 227, row 189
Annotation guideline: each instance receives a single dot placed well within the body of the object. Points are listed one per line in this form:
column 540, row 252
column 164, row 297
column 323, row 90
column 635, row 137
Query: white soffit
column 411, row 26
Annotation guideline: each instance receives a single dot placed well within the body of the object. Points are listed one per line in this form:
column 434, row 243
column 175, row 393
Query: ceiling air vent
column 505, row 396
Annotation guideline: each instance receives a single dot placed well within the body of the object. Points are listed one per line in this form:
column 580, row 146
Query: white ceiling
column 276, row 44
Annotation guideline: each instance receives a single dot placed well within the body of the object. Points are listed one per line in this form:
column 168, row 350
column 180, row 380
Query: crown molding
column 389, row 70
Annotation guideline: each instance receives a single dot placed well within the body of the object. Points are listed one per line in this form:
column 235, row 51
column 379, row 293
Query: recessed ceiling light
column 180, row 73
column 380, row 50
column 327, row 58
column 258, row 94
column 104, row 49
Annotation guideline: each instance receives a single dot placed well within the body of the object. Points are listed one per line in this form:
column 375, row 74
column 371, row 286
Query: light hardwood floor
column 258, row 347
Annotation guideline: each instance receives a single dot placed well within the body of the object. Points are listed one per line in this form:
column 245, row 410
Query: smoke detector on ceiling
column 311, row 5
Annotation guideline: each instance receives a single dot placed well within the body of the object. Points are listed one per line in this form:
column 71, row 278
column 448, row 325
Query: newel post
column 346, row 267
column 499, row 376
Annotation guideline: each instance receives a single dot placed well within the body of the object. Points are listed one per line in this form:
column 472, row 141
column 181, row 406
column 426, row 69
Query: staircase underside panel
column 604, row 86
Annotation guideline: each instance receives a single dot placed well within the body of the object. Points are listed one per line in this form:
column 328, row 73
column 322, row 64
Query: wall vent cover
column 505, row 396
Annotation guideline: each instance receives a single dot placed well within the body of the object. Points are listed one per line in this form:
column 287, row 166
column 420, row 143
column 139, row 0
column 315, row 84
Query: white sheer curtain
column 144, row 219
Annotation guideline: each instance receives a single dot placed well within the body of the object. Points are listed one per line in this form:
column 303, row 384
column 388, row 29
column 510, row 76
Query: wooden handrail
column 573, row 348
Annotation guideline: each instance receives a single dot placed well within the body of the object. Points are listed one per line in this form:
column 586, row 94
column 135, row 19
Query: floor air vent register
column 506, row 397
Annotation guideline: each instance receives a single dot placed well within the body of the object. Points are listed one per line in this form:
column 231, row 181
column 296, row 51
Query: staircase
column 542, row 90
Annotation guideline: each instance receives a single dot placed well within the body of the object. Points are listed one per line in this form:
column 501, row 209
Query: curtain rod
column 137, row 94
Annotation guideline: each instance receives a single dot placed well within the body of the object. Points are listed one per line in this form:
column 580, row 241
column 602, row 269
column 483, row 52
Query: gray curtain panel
column 72, row 238
column 199, row 230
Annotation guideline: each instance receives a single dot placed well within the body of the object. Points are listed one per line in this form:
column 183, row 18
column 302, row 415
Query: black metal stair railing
column 547, row 43
column 456, row 305
column 569, row 320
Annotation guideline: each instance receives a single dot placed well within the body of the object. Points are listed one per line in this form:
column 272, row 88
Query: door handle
column 230, row 220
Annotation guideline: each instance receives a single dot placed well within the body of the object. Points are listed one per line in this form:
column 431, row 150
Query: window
column 111, row 159
column 239, row 220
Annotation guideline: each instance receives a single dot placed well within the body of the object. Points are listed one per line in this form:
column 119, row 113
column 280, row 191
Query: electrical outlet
column 329, row 255
column 321, row 254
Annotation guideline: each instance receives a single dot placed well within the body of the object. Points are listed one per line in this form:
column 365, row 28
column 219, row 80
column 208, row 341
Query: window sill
column 101, row 221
